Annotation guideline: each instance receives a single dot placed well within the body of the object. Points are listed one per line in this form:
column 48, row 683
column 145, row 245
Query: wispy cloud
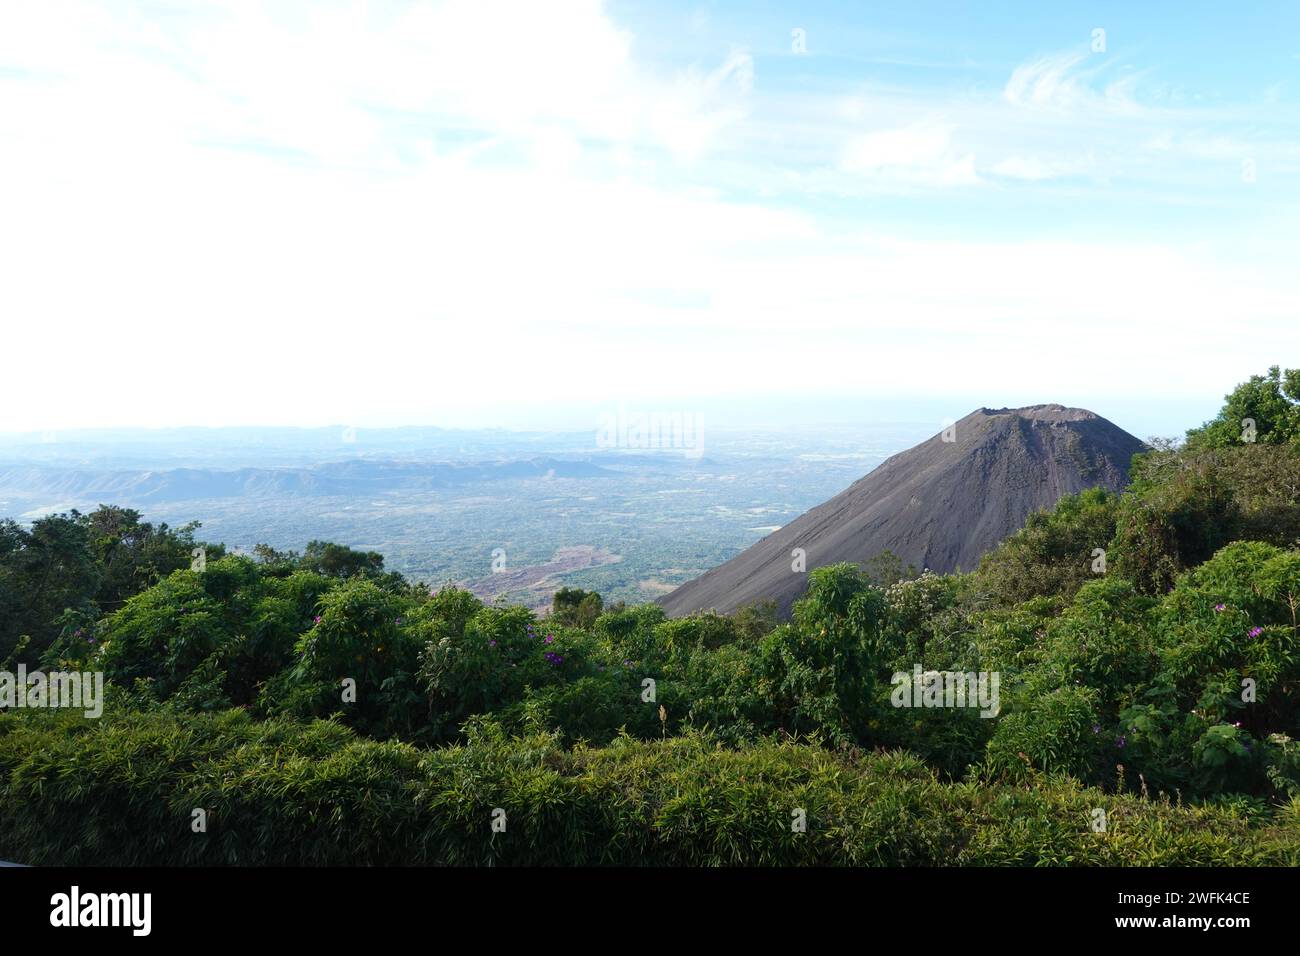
column 1068, row 82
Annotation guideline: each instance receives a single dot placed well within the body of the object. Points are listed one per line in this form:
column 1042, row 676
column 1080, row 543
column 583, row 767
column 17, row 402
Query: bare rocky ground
column 532, row 586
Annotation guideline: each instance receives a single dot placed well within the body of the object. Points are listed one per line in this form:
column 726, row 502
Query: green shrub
column 123, row 790
column 1058, row 731
column 163, row 633
column 1054, row 553
column 358, row 659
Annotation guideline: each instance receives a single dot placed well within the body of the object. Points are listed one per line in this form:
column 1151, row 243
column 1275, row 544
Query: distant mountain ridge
column 939, row 505
column 355, row 477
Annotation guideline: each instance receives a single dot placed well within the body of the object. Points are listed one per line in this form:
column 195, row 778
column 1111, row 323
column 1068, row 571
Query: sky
column 508, row 213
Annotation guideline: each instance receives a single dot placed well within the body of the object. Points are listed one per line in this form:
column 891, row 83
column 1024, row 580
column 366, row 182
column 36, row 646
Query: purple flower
column 627, row 663
column 1220, row 607
column 316, row 620
column 553, row 658
column 1120, row 741
column 1256, row 631
column 550, row 639
column 1096, row 728
column 492, row 643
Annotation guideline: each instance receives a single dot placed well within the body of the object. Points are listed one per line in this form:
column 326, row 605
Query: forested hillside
column 319, row 709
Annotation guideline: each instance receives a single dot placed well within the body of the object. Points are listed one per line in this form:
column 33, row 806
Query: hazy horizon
column 1170, row 418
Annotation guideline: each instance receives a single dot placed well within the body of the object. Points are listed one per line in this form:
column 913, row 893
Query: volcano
column 940, row 505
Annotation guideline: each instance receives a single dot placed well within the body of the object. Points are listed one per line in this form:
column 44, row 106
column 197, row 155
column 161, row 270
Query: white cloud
column 920, row 154
column 412, row 298
column 689, row 115
column 353, row 213
column 350, row 82
column 1059, row 82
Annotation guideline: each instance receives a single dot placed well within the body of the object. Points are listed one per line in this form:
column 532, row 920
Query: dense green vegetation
column 287, row 792
column 322, row 710
column 68, row 569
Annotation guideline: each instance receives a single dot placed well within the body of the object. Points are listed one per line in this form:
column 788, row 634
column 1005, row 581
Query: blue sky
column 478, row 212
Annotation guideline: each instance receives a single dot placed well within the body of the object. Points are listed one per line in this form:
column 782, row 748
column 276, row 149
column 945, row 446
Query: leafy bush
column 122, row 791
column 1058, row 731
column 1184, row 505
column 163, row 633
column 358, row 646
column 1269, row 401
column 1053, row 554
column 576, row 606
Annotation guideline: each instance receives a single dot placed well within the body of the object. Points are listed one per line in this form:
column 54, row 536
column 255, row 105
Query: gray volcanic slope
column 940, row 505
